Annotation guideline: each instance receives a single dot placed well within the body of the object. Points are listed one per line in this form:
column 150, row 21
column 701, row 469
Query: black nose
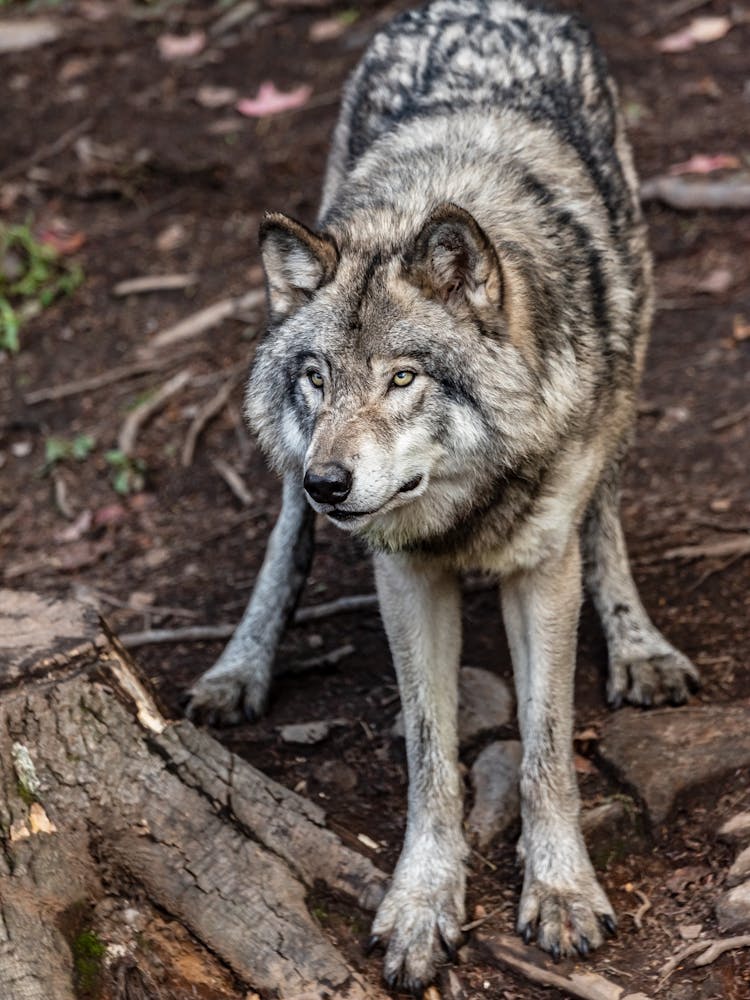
column 329, row 483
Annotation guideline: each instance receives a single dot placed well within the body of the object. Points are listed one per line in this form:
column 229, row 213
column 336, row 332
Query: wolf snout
column 328, row 482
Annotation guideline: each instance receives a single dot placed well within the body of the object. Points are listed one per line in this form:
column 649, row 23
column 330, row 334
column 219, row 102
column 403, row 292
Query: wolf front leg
column 644, row 669
column 237, row 684
column 561, row 899
column 424, row 907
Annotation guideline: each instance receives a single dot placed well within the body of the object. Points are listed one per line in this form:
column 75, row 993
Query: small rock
column 494, row 777
column 305, row 732
column 689, row 932
column 693, row 745
column 733, row 909
column 336, row 774
column 740, row 870
column 484, row 704
column 737, row 829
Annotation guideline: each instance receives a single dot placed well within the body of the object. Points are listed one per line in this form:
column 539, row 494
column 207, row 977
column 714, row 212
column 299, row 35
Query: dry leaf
column 39, row 821
column 209, row 96
column 327, row 30
column 704, row 164
column 698, row 32
column 61, row 239
column 740, row 328
column 716, row 282
column 172, row 47
column 270, row 100
column 583, row 765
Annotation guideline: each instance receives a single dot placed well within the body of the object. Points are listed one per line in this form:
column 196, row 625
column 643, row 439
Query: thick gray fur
column 463, row 338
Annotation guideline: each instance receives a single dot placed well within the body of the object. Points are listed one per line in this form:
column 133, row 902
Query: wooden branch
column 154, row 283
column 42, row 153
column 207, row 413
column 529, row 963
column 96, row 785
column 233, row 480
column 717, row 948
column 93, row 382
column 677, row 192
column 205, row 319
column 208, row 633
column 136, row 419
column 739, row 545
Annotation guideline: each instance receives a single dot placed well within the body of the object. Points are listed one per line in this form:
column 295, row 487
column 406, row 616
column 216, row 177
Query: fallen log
column 103, row 801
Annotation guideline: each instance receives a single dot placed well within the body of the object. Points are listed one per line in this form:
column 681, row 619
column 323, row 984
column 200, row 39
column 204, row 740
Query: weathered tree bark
column 100, row 794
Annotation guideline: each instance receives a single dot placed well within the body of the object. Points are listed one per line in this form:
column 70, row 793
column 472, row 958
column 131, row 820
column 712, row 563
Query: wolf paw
column 226, row 699
column 664, row 677
column 566, row 921
column 419, row 924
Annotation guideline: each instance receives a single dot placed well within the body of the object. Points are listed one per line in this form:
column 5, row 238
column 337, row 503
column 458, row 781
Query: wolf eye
column 315, row 378
column 402, row 378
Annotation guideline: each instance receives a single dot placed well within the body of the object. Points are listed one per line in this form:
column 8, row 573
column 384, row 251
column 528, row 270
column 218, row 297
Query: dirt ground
column 113, row 149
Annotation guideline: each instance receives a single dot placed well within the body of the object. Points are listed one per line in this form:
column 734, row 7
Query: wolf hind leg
column 644, row 668
column 237, row 685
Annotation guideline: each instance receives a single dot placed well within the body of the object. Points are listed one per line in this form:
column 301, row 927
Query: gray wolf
column 450, row 372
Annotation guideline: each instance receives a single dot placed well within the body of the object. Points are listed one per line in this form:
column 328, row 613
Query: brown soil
column 184, row 551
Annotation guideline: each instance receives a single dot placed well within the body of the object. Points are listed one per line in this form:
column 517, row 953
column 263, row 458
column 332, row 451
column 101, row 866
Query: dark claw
column 449, row 949
column 584, row 947
column 527, row 934
column 372, row 944
column 418, row 988
column 391, row 980
column 555, row 952
column 616, row 702
column 608, row 924
column 648, row 701
column 678, row 698
column 250, row 714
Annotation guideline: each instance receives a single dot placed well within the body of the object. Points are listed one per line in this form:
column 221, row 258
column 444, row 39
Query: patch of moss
column 88, row 964
column 25, row 794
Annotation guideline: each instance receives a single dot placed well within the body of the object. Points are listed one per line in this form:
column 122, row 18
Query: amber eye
column 402, row 378
column 316, row 378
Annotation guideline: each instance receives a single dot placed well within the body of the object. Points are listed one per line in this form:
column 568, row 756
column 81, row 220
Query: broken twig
column 717, row 948
column 212, row 409
column 154, row 283
column 233, row 480
column 141, row 414
column 93, row 382
column 43, row 153
column 642, row 910
column 526, row 961
column 207, row 633
column 707, row 951
column 691, row 195
column 207, row 318
column 738, row 545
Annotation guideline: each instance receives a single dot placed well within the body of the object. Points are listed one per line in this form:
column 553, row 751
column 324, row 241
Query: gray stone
column 494, row 778
column 484, row 703
column 737, row 829
column 733, row 909
column 308, row 732
column 740, row 870
column 612, row 830
column 665, row 752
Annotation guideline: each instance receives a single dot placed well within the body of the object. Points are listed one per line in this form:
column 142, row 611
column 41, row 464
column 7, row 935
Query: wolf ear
column 296, row 261
column 453, row 260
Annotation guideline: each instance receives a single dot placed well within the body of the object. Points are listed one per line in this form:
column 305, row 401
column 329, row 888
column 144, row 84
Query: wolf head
column 387, row 378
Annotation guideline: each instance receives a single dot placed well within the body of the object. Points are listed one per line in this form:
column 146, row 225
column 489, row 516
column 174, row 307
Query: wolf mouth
column 350, row 515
